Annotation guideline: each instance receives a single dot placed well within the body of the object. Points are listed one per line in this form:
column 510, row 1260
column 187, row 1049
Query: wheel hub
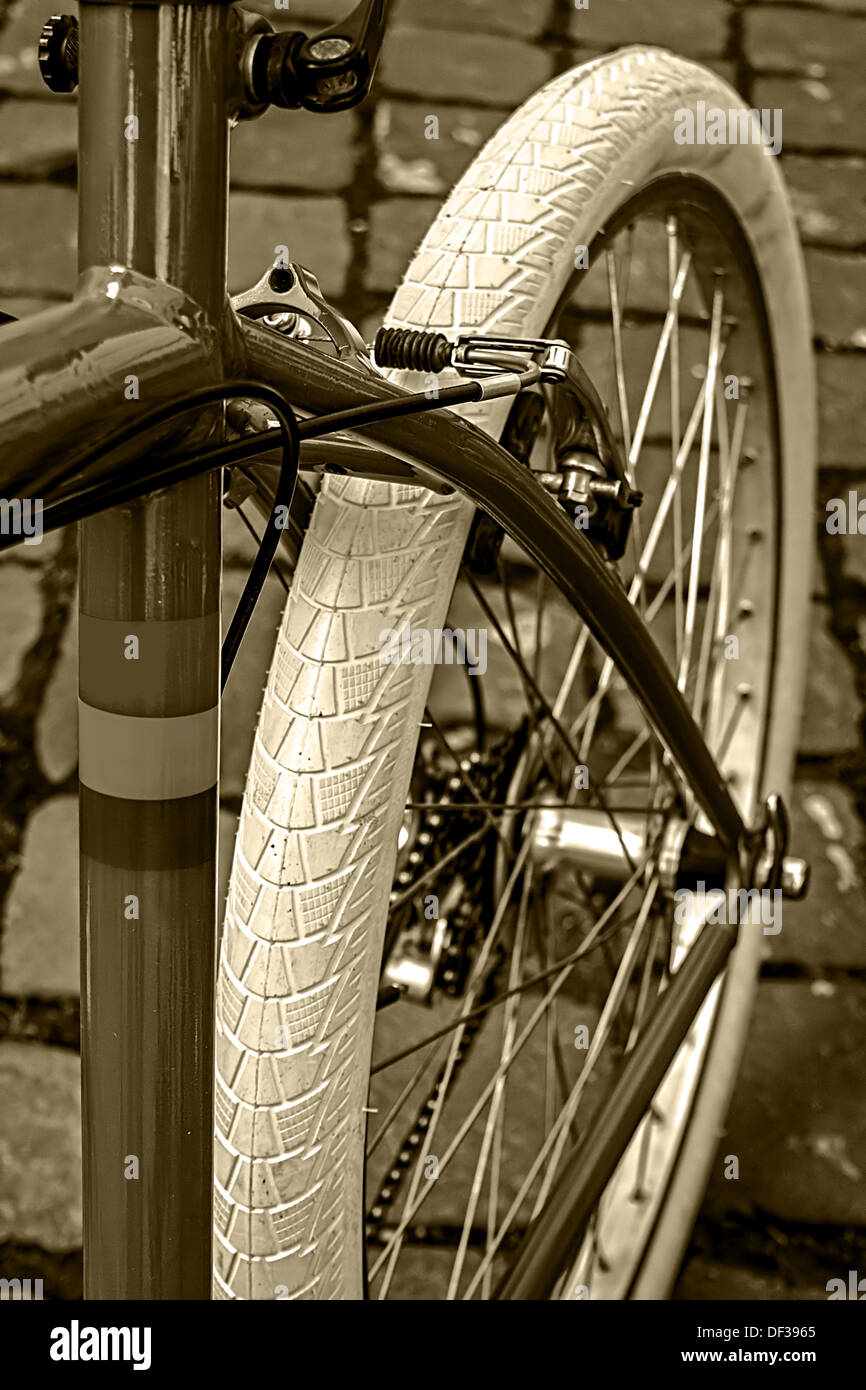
column 601, row 844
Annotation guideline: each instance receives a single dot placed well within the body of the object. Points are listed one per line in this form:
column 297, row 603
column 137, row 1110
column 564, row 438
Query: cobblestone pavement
column 352, row 196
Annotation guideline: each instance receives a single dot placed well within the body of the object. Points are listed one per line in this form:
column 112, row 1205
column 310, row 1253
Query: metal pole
column 153, row 196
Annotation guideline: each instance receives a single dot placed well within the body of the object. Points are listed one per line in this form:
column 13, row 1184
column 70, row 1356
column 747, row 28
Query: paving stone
column 797, row 1122
column 243, row 694
column 31, row 556
column 38, row 239
column 855, row 547
column 828, row 928
column 38, row 138
column 40, row 1145
column 314, row 229
column 831, row 709
column 704, row 1281
column 19, row 40
column 829, row 197
column 487, row 70
column 841, row 393
column 397, row 226
column 57, row 721
column 837, row 285
column 817, row 114
column 20, row 618
column 39, row 945
column 802, row 41
column 294, row 149
column 726, row 70
column 662, row 23
column 409, row 162
column 524, row 18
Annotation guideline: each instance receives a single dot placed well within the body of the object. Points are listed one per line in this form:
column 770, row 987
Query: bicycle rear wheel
column 582, row 216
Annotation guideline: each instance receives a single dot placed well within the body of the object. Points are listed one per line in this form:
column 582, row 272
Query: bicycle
column 525, row 885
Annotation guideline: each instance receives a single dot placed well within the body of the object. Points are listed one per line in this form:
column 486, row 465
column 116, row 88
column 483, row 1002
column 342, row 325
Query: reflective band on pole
column 173, row 669
column 147, row 759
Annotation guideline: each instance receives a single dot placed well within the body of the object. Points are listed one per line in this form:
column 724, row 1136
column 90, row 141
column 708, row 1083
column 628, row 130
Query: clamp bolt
column 324, row 50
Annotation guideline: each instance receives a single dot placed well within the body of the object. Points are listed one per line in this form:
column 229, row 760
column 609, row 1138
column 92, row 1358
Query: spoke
column 701, row 495
column 588, row 715
column 397, row 1106
column 559, row 1074
column 616, row 324
column 671, row 488
column 709, row 641
column 679, row 565
column 430, row 875
column 466, row 780
column 275, row 568
column 726, row 556
column 497, row 1104
column 539, row 625
column 529, row 686
column 564, row 962
column 671, row 321
column 476, row 978
column 673, row 251
column 598, row 695
column 708, row 647
column 670, row 495
column 577, row 654
column 639, row 579
column 742, row 699
column 618, row 988
column 559, row 1133
column 555, row 724
column 509, row 605
column 473, row 987
column 412, row 1208
column 645, row 983
column 619, row 367
column 625, row 758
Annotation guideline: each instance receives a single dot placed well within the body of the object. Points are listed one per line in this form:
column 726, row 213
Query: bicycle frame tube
column 66, row 373
column 153, row 150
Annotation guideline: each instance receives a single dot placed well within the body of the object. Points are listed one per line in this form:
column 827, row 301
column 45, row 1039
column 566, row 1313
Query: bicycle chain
column 490, row 777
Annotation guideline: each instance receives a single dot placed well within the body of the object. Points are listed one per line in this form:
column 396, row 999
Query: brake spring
column 412, row 350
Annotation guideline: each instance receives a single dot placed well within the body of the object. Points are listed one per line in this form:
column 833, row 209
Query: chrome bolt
column 324, row 49
column 794, row 879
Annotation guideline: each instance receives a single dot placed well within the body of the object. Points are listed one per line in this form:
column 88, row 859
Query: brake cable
column 109, row 493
